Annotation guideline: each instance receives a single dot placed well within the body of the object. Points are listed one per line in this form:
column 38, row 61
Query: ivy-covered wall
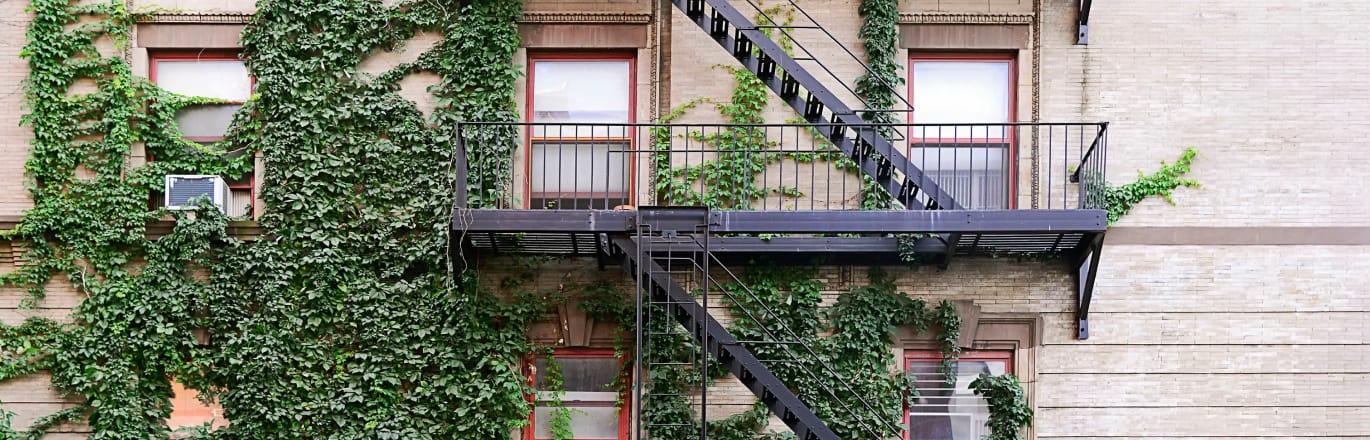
column 343, row 319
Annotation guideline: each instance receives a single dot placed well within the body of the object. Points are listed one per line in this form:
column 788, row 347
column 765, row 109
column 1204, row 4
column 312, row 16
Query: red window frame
column 912, row 356
column 624, row 424
column 631, row 138
column 208, row 55
column 985, row 57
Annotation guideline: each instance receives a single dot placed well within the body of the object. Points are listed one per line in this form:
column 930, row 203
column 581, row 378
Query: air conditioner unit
column 180, row 189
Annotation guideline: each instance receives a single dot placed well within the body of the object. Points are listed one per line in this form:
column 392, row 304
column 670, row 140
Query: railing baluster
column 748, row 166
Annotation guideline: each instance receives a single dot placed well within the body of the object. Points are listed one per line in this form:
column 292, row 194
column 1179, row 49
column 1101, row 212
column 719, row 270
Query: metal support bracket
column 1087, row 270
column 1083, row 36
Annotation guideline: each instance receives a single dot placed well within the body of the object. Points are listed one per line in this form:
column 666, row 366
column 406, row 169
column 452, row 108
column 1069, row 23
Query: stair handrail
column 908, row 106
column 841, row 113
column 795, row 336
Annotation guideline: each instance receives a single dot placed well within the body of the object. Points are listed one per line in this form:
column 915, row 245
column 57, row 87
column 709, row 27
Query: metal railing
column 773, row 166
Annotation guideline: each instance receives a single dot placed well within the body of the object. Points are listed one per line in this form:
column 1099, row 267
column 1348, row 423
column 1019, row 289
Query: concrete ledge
column 1240, row 236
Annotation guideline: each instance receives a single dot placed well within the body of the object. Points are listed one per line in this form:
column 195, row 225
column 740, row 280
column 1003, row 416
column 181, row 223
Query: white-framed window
column 586, row 163
column 967, row 146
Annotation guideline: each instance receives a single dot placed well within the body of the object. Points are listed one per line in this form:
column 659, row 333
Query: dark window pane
column 582, row 374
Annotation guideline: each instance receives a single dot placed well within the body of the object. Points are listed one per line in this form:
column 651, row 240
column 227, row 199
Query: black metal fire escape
column 662, row 293
column 871, row 150
column 671, row 252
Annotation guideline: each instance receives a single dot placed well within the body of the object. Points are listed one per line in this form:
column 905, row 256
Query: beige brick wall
column 14, row 140
column 1242, row 341
column 1270, row 95
column 1186, row 341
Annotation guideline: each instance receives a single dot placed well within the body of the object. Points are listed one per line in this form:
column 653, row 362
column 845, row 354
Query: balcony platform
column 966, row 233
column 807, row 237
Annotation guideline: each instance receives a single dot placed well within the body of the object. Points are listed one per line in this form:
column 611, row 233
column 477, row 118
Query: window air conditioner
column 181, row 189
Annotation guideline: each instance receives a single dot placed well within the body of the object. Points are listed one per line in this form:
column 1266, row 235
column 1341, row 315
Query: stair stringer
column 868, row 139
column 723, row 346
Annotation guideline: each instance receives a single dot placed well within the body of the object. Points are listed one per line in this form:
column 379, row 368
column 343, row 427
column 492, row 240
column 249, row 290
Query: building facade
column 1237, row 311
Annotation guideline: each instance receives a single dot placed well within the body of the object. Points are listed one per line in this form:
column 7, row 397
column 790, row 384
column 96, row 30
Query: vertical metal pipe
column 459, row 180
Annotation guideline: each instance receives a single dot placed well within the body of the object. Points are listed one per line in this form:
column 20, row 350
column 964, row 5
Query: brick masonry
column 1187, row 341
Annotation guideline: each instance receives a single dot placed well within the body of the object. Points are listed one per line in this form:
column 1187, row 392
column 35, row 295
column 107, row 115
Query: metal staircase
column 865, row 144
column 671, row 247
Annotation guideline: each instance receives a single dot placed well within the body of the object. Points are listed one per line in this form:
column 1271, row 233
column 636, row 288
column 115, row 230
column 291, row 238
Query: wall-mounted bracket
column 1087, row 270
column 1082, row 37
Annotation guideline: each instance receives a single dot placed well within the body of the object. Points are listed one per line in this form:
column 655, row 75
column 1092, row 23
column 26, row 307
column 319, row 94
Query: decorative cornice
column 958, row 18
column 215, row 18
column 585, row 18
column 528, row 17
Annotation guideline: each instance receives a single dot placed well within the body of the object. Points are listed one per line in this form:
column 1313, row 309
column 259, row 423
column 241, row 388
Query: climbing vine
column 560, row 423
column 1008, row 409
column 880, row 34
column 1120, row 199
column 853, row 362
column 343, row 320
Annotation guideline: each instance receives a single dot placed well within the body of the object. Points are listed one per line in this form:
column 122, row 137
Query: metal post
column 459, row 184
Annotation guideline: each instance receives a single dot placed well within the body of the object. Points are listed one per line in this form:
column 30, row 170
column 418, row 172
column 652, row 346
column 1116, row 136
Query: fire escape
column 957, row 185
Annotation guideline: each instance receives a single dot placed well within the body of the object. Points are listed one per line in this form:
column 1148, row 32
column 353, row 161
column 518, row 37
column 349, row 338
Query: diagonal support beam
column 719, row 342
column 1086, row 271
column 1083, row 23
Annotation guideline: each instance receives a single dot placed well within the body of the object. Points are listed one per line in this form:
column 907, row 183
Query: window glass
column 950, row 412
column 960, row 92
column 582, row 164
column 188, row 412
column 222, row 79
column 206, row 120
column 587, row 422
column 581, row 374
column 581, row 91
column 208, row 76
column 587, row 390
column 968, row 160
column 591, row 169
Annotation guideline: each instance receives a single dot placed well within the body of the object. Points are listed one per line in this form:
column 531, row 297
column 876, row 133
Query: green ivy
column 880, row 34
column 1120, row 199
column 729, row 180
column 858, row 348
column 560, row 423
column 343, row 320
column 855, row 360
column 1008, row 409
column 121, row 346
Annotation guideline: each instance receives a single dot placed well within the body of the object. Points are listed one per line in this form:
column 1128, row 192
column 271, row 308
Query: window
column 584, row 166
column 214, row 75
column 971, row 156
column 587, row 384
column 951, row 412
column 188, row 412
